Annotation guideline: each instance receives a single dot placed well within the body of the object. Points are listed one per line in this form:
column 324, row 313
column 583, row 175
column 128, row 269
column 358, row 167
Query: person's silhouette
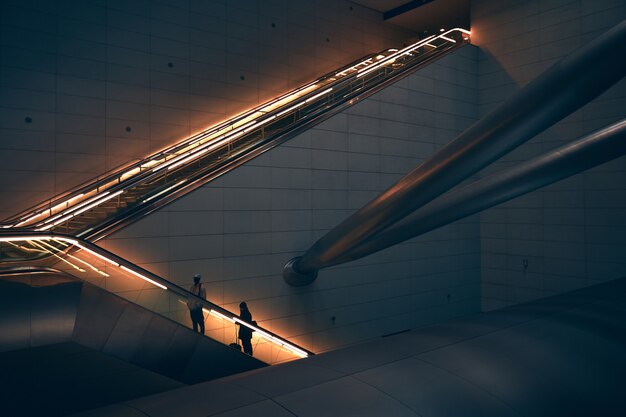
column 195, row 306
column 245, row 333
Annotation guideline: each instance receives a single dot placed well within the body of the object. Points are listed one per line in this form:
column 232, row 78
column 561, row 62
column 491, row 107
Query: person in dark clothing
column 195, row 306
column 245, row 333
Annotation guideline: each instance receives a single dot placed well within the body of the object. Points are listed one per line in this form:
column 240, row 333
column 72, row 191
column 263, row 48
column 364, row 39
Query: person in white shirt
column 195, row 306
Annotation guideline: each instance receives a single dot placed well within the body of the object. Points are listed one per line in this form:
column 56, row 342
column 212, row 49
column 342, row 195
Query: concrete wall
column 88, row 85
column 572, row 233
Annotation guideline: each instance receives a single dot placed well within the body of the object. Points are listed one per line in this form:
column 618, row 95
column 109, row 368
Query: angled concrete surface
column 558, row 356
column 58, row 379
column 42, row 310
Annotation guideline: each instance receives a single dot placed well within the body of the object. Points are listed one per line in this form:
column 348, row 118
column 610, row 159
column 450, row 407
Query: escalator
column 113, row 200
column 86, row 262
column 59, row 234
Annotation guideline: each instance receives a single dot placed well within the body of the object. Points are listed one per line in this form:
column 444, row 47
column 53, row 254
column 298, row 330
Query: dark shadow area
column 64, row 378
column 67, row 346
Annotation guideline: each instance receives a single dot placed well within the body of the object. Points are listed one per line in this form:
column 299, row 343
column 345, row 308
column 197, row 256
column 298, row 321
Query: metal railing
column 90, row 263
column 55, row 234
column 97, row 208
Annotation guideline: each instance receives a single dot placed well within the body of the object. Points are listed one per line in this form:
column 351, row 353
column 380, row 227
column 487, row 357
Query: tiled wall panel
column 569, row 234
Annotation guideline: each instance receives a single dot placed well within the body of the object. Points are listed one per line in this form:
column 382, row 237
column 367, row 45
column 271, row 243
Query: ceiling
column 430, row 16
column 381, row 5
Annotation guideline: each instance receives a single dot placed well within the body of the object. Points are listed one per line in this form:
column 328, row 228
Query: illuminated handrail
column 176, row 170
column 326, row 92
column 80, row 258
column 55, row 203
column 132, row 168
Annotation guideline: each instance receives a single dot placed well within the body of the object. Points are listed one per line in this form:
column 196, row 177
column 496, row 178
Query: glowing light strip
column 197, row 137
column 150, row 163
column 93, row 268
column 261, row 123
column 70, row 241
column 194, row 155
column 76, row 243
column 33, row 239
column 209, row 146
column 170, row 162
column 268, row 106
column 192, row 148
column 107, row 198
column 204, row 149
column 130, row 173
column 273, row 339
column 65, row 245
column 51, row 210
column 24, row 238
column 260, row 333
column 84, row 209
column 194, row 140
column 164, row 191
column 298, row 90
column 62, row 240
column 142, row 277
column 26, row 249
column 354, row 67
column 223, row 141
column 32, row 242
column 221, row 316
column 51, row 219
column 410, row 48
column 95, row 197
column 467, row 32
column 288, row 98
column 318, row 95
column 277, row 341
column 181, row 159
column 392, row 57
column 96, row 254
column 290, row 109
column 84, row 232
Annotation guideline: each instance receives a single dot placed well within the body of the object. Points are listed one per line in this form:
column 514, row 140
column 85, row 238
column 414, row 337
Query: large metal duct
column 565, row 87
column 582, row 154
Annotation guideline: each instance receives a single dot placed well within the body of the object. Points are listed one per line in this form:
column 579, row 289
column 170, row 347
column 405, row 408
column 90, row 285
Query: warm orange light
column 197, row 144
column 137, row 274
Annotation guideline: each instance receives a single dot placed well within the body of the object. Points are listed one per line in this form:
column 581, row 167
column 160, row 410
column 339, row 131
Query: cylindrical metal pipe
column 565, row 87
column 565, row 161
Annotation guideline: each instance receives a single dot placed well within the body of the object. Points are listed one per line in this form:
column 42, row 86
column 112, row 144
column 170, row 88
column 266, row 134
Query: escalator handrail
column 107, row 256
column 201, row 176
column 116, row 173
column 137, row 178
